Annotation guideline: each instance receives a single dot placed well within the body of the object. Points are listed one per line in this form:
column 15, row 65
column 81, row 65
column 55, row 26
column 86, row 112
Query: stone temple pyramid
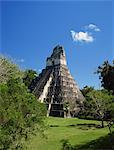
column 55, row 86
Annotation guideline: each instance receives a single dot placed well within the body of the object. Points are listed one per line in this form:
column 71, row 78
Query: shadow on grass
column 103, row 143
column 54, row 126
column 85, row 126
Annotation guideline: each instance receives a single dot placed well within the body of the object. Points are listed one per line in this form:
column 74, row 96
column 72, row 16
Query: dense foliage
column 8, row 70
column 98, row 104
column 20, row 113
column 106, row 74
column 29, row 75
column 86, row 90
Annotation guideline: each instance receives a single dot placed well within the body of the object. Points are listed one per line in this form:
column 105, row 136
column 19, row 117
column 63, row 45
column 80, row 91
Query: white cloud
column 93, row 27
column 20, row 60
column 82, row 36
column 39, row 70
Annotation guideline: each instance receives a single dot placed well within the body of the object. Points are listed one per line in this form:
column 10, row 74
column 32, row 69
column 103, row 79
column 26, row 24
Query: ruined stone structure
column 55, row 86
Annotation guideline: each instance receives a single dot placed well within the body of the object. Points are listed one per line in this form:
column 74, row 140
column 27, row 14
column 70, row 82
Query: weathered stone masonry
column 55, row 86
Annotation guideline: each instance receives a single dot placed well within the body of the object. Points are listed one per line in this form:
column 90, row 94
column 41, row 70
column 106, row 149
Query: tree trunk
column 102, row 123
column 110, row 129
column 109, row 126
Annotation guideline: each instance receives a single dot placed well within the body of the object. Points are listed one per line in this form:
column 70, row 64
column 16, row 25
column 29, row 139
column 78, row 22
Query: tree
column 66, row 109
column 106, row 74
column 100, row 104
column 86, row 112
column 86, row 90
column 29, row 75
column 8, row 70
column 20, row 114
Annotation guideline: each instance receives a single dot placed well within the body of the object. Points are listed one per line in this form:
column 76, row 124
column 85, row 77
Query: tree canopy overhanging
column 20, row 113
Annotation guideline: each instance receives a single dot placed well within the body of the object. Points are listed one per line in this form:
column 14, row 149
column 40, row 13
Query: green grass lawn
column 73, row 129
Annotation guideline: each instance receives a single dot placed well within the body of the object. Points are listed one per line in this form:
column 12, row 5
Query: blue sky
column 30, row 30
